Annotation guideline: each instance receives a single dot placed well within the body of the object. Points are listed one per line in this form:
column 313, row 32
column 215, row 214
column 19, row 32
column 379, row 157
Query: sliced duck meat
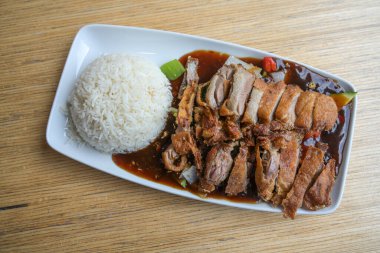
column 304, row 109
column 250, row 114
column 183, row 142
column 173, row 161
column 289, row 160
column 219, row 87
column 311, row 166
column 325, row 113
column 185, row 108
column 318, row 196
column 238, row 179
column 241, row 87
column 190, row 76
column 267, row 165
column 218, row 165
column 285, row 112
column 269, row 101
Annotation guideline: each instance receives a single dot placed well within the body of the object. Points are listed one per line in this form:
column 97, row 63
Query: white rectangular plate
column 93, row 41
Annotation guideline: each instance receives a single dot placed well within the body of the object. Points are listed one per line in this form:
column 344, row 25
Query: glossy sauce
column 147, row 163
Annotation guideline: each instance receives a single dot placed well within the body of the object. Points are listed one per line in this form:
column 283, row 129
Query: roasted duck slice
column 218, row 165
column 325, row 113
column 173, row 161
column 267, row 165
column 289, row 160
column 304, row 109
column 318, row 196
column 269, row 101
column 250, row 114
column 241, row 87
column 311, row 166
column 219, row 87
column 183, row 142
column 185, row 108
column 190, row 76
column 285, row 112
column 238, row 179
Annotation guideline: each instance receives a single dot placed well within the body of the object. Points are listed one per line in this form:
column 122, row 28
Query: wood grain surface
column 50, row 203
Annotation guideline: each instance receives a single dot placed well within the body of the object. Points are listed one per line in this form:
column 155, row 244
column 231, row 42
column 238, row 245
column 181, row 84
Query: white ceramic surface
column 158, row 46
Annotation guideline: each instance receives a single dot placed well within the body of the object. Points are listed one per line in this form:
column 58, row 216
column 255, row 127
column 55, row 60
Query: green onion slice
column 183, row 183
column 172, row 69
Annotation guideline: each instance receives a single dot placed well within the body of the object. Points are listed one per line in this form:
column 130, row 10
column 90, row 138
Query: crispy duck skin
column 218, row 165
column 219, row 86
column 250, row 114
column 232, row 129
column 173, row 161
column 311, row 166
column 190, row 76
column 267, row 165
column 241, row 87
column 269, row 101
column 318, row 196
column 249, row 139
column 183, row 142
column 185, row 108
column 325, row 113
column 304, row 109
column 212, row 130
column 289, row 160
column 238, row 180
column 285, row 112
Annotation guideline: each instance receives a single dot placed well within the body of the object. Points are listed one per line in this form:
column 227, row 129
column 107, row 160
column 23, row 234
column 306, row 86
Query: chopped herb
column 183, row 183
column 173, row 69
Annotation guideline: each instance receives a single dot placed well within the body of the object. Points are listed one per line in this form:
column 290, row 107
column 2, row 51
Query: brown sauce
column 147, row 163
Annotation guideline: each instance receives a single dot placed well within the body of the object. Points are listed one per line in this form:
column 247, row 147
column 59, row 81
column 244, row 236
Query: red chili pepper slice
column 269, row 65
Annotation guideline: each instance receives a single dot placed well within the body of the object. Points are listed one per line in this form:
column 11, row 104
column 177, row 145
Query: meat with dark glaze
column 238, row 179
column 289, row 160
column 325, row 113
column 318, row 196
column 241, row 87
column 311, row 166
column 269, row 101
column 304, row 109
column 218, row 166
column 285, row 112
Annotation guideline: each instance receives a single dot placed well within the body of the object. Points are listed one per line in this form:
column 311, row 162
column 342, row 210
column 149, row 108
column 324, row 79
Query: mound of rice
column 120, row 103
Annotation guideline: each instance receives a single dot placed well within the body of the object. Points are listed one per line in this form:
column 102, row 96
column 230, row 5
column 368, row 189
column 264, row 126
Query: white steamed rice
column 120, row 103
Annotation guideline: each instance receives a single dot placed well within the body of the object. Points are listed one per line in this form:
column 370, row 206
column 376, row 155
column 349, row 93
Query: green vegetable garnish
column 183, row 183
column 172, row 69
column 343, row 99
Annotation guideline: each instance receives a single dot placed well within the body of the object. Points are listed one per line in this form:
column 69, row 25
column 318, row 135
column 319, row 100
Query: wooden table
column 50, row 203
